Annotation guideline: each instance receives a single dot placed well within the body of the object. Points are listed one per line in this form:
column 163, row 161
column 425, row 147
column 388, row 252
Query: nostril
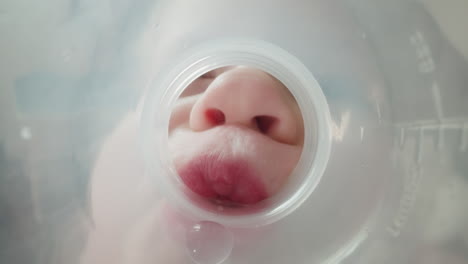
column 215, row 116
column 264, row 123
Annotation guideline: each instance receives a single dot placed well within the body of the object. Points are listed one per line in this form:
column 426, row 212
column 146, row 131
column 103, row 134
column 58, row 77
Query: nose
column 251, row 98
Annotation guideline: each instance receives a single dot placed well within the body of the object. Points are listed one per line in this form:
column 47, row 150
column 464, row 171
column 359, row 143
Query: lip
column 228, row 181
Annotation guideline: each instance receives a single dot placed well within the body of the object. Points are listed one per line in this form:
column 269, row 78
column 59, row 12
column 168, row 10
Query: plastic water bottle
column 233, row 131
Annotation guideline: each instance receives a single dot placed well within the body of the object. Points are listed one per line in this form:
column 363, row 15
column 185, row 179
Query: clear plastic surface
column 86, row 93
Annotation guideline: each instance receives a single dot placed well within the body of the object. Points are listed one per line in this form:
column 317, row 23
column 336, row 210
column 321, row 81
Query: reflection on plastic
column 209, row 243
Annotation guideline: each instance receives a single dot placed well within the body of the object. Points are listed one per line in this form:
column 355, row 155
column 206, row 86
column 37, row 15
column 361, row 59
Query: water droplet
column 26, row 133
column 362, row 134
column 209, row 243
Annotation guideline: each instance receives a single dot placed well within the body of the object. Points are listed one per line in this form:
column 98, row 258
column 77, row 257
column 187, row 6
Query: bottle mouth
column 167, row 88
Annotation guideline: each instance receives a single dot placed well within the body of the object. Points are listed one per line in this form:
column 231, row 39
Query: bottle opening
column 242, row 133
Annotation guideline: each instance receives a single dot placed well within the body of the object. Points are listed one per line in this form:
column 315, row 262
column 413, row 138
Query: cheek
column 180, row 115
column 178, row 119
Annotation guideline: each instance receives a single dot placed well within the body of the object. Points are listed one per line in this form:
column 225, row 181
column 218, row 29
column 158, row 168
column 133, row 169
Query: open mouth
column 230, row 182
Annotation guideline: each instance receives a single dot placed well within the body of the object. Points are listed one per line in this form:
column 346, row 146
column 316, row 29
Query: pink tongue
column 223, row 180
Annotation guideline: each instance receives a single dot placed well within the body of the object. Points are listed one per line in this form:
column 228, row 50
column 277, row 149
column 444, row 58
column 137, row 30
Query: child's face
column 235, row 135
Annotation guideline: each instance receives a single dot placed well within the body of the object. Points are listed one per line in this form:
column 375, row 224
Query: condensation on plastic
column 393, row 76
